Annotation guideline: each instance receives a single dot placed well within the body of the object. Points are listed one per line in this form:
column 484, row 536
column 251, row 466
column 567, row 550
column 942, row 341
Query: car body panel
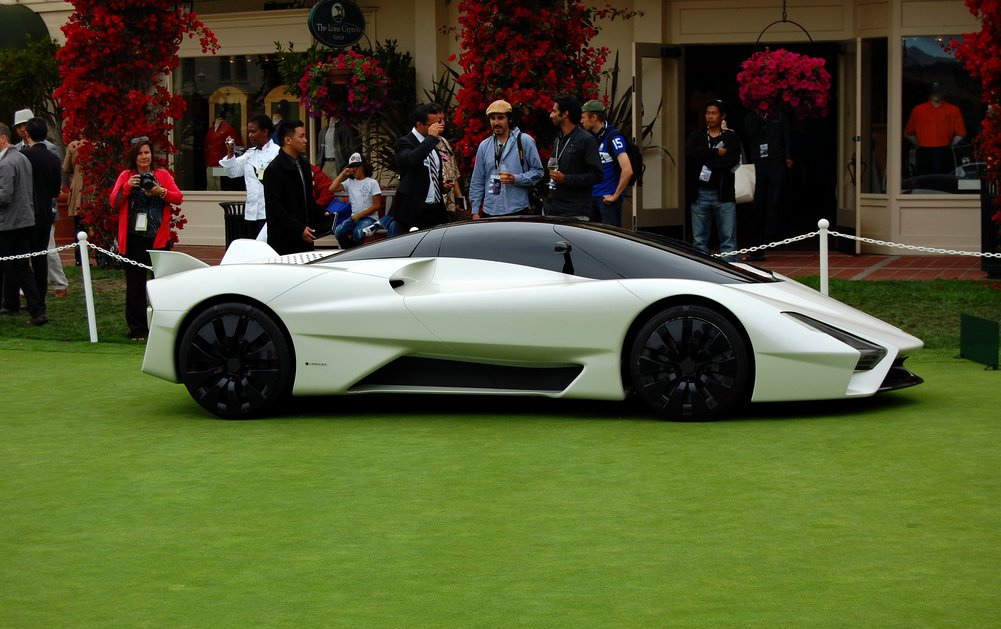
column 359, row 319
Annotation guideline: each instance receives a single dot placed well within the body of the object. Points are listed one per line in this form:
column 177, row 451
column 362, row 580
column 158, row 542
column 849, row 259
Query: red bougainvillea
column 774, row 80
column 527, row 52
column 114, row 67
column 981, row 54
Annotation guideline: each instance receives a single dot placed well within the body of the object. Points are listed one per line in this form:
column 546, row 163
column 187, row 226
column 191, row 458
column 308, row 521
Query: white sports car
column 527, row 306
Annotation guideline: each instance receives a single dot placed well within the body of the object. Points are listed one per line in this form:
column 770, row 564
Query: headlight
column 871, row 353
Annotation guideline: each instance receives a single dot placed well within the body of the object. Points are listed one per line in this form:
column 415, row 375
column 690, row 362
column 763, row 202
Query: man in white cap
column 507, row 166
column 21, row 118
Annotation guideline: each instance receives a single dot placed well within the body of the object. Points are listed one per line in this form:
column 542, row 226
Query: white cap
column 355, row 159
column 22, row 116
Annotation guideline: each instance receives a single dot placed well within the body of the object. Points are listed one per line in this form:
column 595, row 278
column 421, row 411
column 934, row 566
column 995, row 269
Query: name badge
column 705, row 174
column 763, row 150
column 141, row 222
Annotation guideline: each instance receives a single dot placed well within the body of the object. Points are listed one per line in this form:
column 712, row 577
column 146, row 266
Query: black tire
column 691, row 363
column 235, row 361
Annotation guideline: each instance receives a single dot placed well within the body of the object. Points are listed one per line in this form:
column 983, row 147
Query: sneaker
column 374, row 228
column 59, row 292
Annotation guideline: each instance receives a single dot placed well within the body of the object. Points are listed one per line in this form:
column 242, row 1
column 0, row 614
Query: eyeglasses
column 141, row 138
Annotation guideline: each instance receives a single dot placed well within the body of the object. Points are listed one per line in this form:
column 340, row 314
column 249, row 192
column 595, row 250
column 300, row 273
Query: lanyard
column 557, row 150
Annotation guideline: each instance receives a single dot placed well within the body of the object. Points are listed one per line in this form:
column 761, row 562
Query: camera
column 147, row 181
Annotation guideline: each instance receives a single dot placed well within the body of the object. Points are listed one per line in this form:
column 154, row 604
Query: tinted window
column 639, row 255
column 530, row 244
column 395, row 247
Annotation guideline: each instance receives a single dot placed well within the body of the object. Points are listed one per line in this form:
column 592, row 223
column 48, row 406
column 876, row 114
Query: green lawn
column 123, row 504
column 126, row 505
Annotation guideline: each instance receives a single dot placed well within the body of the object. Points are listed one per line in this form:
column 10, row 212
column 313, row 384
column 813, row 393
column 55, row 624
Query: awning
column 17, row 24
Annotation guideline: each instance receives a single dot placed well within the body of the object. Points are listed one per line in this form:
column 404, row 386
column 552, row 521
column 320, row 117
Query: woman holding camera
column 143, row 197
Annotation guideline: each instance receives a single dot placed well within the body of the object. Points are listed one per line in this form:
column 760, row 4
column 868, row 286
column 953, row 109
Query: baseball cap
column 499, row 107
column 355, row 159
column 593, row 106
column 22, row 116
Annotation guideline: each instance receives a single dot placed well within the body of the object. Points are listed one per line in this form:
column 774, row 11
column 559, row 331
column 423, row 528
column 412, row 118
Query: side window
column 527, row 244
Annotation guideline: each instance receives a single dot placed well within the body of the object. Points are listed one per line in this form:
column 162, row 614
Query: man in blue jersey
column 606, row 197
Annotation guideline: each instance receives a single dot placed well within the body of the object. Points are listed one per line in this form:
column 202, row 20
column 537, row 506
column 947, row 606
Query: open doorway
column 809, row 190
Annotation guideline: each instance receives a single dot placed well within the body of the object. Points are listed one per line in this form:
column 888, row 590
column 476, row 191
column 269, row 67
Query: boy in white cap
column 365, row 196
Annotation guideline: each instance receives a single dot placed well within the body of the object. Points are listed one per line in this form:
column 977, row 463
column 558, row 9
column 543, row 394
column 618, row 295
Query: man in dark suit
column 292, row 213
column 419, row 200
column 46, row 175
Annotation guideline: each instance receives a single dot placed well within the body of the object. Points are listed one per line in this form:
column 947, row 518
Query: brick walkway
column 799, row 263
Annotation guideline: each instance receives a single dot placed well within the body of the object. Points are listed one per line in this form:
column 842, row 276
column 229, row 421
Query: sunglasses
column 141, row 138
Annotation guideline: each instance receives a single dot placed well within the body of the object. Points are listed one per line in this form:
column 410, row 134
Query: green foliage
column 29, row 77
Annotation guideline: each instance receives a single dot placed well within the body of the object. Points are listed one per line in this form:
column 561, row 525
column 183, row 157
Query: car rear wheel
column 690, row 363
column 235, row 361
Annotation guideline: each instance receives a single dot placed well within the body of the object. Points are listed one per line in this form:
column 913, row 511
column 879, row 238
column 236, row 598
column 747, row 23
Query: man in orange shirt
column 935, row 127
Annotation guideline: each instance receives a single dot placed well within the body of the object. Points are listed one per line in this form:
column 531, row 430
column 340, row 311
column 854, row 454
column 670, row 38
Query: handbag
column 743, row 182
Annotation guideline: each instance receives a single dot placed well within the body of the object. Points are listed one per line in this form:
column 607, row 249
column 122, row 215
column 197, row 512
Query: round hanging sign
column 336, row 23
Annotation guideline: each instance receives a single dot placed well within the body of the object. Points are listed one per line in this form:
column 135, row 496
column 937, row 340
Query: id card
column 705, row 174
column 260, row 173
column 763, row 150
column 141, row 222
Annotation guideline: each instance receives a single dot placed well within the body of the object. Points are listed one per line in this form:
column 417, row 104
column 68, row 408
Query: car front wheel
column 235, row 361
column 691, row 363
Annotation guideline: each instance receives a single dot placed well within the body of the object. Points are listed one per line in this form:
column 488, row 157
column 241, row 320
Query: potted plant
column 777, row 80
column 348, row 86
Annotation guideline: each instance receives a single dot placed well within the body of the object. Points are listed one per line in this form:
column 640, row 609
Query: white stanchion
column 822, row 225
column 88, row 290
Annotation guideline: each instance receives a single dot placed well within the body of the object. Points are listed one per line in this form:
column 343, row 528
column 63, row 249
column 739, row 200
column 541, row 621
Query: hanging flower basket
column 348, row 86
column 779, row 80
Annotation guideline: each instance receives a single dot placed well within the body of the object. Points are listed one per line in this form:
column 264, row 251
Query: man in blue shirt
column 507, row 166
column 606, row 197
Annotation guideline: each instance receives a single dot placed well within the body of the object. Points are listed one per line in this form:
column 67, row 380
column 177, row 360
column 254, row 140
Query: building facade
column 856, row 167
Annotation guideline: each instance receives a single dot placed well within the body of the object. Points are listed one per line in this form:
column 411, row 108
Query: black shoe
column 39, row 320
column 7, row 311
column 757, row 256
column 138, row 335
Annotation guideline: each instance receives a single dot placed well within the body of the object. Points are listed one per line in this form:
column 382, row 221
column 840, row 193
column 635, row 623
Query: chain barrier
column 871, row 241
column 110, row 254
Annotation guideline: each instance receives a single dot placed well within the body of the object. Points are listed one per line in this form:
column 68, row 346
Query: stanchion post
column 88, row 289
column 822, row 225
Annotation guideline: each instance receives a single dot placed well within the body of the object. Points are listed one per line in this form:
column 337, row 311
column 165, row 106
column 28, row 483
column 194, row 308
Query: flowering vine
column 774, row 80
column 508, row 50
column 365, row 92
column 980, row 52
column 114, row 65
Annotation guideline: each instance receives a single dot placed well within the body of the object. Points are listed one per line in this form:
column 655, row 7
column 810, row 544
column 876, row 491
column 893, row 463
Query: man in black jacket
column 712, row 155
column 419, row 200
column 292, row 213
column 46, row 175
column 578, row 164
column 769, row 148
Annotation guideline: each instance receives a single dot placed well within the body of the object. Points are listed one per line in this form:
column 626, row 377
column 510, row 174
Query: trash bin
column 236, row 226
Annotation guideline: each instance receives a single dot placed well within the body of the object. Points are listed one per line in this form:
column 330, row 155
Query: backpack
column 535, row 193
column 633, row 152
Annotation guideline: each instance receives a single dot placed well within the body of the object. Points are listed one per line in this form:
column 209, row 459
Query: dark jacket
column 408, row 203
column 698, row 153
column 46, row 175
column 347, row 140
column 289, row 204
column 581, row 166
column 775, row 131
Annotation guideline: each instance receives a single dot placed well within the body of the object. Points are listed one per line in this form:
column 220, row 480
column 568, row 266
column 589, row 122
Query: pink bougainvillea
column 773, row 80
column 365, row 91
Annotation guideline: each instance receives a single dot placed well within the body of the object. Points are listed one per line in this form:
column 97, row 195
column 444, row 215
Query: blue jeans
column 705, row 210
column 349, row 233
column 607, row 213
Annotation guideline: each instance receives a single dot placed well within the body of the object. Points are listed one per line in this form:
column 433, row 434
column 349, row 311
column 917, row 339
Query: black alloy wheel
column 691, row 363
column 235, row 361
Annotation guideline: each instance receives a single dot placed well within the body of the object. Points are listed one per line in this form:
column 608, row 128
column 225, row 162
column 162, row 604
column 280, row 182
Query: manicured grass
column 126, row 505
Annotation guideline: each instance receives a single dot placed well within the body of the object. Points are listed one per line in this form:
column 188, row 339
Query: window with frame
column 942, row 110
